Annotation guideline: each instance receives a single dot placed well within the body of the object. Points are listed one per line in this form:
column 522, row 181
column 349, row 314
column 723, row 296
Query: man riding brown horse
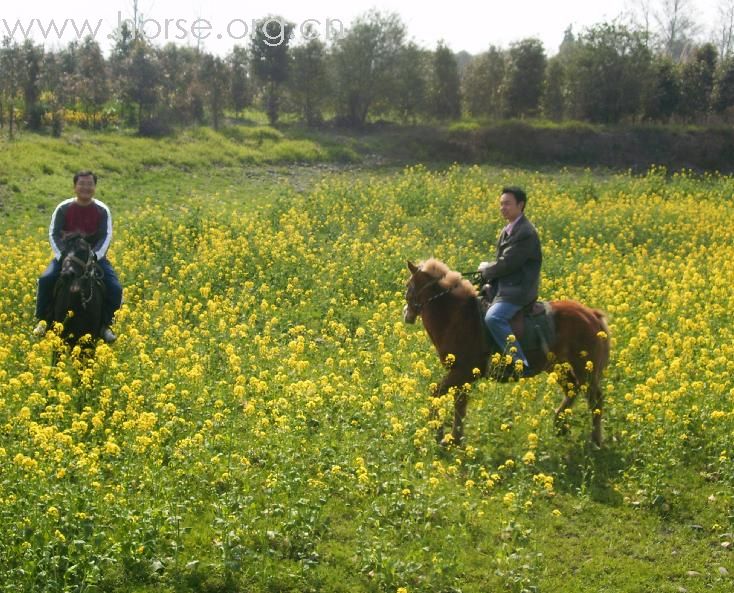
column 563, row 336
column 578, row 351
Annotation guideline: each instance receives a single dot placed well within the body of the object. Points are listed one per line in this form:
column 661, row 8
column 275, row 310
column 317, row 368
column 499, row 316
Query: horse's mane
column 448, row 278
column 71, row 240
column 74, row 236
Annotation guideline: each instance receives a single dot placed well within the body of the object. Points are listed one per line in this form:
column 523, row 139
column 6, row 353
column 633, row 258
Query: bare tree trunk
column 677, row 26
column 725, row 41
column 135, row 19
column 272, row 104
column 641, row 18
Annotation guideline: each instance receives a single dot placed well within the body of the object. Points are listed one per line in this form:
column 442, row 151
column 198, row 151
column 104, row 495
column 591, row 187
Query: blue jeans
column 113, row 290
column 498, row 321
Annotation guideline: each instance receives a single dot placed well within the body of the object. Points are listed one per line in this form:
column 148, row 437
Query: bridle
column 91, row 272
column 418, row 306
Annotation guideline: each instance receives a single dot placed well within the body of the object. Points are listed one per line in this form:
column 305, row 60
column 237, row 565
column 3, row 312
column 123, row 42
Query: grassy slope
column 36, row 171
column 599, row 545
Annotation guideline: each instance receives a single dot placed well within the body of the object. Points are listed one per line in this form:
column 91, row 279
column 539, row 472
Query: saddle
column 533, row 325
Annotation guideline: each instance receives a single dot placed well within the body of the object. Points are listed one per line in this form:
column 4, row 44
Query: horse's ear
column 412, row 267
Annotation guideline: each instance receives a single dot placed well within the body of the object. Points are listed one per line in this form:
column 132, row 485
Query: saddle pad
column 539, row 329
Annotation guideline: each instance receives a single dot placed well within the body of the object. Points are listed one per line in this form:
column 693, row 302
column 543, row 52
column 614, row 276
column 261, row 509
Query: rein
column 475, row 276
column 92, row 272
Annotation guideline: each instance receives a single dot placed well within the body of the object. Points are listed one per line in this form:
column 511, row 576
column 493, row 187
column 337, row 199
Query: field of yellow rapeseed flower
column 262, row 423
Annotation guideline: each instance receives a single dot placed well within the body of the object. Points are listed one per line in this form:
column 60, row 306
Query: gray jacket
column 515, row 274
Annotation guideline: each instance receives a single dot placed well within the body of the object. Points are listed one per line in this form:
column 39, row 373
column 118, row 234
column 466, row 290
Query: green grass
column 646, row 513
column 35, row 169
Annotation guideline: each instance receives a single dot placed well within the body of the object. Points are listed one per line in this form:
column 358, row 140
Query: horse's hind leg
column 596, row 395
column 596, row 401
column 570, row 385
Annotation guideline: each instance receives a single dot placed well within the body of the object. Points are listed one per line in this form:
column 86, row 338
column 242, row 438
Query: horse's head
column 77, row 260
column 410, row 310
column 430, row 281
column 414, row 288
column 79, row 292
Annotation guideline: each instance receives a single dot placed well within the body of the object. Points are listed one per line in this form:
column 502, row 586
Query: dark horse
column 79, row 292
column 449, row 307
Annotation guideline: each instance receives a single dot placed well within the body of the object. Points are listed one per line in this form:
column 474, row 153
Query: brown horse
column 449, row 307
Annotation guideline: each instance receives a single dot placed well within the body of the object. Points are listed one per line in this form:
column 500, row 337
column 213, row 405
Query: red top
column 94, row 222
column 82, row 219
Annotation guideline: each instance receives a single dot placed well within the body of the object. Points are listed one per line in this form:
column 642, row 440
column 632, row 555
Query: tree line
column 608, row 73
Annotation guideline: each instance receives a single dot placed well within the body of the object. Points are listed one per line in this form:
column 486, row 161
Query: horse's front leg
column 461, row 399
column 455, row 378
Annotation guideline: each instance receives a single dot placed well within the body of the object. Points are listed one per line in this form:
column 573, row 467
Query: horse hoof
column 562, row 428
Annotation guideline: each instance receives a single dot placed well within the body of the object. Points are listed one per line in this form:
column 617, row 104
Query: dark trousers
column 113, row 290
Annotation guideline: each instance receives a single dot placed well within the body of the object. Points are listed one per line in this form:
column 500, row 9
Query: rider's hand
column 482, row 267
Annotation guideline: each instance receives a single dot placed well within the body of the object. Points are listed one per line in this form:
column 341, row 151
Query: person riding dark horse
column 90, row 218
column 79, row 291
